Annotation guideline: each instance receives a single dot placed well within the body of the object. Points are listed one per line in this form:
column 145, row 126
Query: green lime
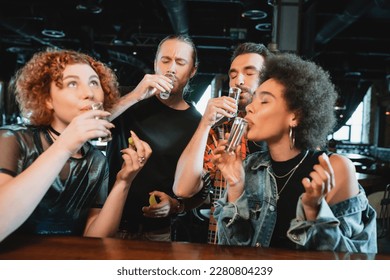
column 131, row 142
column 152, row 199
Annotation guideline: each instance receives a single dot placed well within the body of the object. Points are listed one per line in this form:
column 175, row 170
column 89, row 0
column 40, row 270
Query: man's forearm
column 139, row 93
column 188, row 176
column 123, row 104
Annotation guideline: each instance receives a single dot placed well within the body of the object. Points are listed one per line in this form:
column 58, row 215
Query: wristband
column 180, row 206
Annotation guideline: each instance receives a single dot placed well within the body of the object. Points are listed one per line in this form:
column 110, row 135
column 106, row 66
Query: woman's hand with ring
column 134, row 158
column 141, row 160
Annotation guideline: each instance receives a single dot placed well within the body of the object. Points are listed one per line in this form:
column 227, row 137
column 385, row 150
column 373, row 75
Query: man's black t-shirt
column 168, row 132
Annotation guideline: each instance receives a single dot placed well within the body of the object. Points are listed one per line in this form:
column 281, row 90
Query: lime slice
column 131, row 142
column 152, row 199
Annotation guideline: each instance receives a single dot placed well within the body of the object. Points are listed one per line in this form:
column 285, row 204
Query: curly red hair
column 33, row 82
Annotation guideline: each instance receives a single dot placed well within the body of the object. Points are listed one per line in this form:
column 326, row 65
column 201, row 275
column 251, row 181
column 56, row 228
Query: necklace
column 257, row 145
column 291, row 172
column 51, row 131
column 54, row 131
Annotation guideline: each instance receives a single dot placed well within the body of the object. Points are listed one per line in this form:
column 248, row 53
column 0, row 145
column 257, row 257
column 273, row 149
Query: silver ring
column 141, row 159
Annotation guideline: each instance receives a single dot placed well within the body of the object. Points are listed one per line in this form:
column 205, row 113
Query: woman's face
column 268, row 116
column 81, row 88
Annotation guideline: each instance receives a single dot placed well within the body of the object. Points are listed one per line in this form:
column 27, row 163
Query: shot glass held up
column 166, row 94
column 234, row 92
column 238, row 129
column 99, row 106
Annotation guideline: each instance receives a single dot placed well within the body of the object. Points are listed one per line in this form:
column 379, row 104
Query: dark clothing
column 347, row 226
column 168, row 132
column 81, row 185
column 290, row 194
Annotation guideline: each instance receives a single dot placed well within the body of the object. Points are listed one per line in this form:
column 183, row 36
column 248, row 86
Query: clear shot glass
column 238, row 129
column 99, row 106
column 166, row 94
column 234, row 92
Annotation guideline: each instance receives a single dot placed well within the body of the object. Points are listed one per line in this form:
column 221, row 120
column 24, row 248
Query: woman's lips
column 86, row 108
column 248, row 121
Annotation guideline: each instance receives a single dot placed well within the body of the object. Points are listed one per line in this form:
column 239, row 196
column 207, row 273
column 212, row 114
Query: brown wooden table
column 75, row 248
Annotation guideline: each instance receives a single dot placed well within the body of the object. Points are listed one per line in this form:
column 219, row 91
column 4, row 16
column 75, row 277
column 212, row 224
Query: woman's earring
column 292, row 137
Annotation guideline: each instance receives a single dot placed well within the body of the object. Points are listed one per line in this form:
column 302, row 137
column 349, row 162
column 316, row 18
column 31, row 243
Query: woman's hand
column 134, row 158
column 88, row 125
column 161, row 209
column 231, row 167
column 318, row 187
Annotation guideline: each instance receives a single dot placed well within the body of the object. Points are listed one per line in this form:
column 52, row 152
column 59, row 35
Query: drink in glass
column 234, row 92
column 99, row 106
column 238, row 129
column 166, row 94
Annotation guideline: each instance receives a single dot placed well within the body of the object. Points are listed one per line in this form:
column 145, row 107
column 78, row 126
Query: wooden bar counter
column 75, row 248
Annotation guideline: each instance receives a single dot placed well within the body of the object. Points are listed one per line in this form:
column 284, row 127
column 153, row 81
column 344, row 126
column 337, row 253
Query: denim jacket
column 348, row 226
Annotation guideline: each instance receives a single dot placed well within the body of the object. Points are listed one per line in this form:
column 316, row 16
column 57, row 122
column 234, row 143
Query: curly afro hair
column 309, row 93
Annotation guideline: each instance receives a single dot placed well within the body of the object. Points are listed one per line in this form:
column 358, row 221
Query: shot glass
column 166, row 94
column 238, row 129
column 234, row 92
column 99, row 106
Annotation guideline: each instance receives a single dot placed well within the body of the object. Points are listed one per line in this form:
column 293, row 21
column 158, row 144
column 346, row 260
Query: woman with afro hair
column 294, row 195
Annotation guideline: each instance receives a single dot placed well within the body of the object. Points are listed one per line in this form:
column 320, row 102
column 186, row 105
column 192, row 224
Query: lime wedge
column 152, row 199
column 131, row 142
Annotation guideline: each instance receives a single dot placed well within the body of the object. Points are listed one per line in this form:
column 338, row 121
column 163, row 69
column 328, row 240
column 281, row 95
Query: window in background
column 352, row 130
column 202, row 103
column 356, row 128
column 343, row 134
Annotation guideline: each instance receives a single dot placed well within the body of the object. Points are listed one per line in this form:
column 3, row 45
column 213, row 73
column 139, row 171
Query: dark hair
column 34, row 78
column 182, row 38
column 250, row 47
column 309, row 93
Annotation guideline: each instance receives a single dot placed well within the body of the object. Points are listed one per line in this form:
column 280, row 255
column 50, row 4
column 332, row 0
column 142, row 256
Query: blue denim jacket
column 348, row 226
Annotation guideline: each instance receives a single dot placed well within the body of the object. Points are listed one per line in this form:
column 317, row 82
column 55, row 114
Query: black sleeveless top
column 288, row 198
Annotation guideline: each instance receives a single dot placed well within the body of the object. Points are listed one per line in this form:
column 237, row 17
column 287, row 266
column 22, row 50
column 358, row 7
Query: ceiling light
column 352, row 74
column 254, row 14
column 263, row 26
column 90, row 8
column 16, row 49
column 53, row 33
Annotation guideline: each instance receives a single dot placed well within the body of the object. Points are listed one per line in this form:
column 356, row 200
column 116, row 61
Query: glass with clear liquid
column 234, row 92
column 99, row 106
column 166, row 94
column 238, row 129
